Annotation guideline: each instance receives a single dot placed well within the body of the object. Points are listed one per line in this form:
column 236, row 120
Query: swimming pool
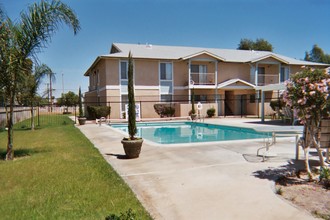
column 191, row 132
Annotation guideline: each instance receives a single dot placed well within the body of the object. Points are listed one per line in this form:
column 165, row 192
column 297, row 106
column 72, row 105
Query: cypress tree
column 131, row 100
column 81, row 114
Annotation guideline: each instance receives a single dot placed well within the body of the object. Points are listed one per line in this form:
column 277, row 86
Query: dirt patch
column 310, row 196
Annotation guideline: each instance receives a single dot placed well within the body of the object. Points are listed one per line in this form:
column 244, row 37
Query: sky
column 291, row 26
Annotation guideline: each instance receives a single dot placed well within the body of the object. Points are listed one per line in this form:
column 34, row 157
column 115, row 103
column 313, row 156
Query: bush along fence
column 223, row 107
column 238, row 107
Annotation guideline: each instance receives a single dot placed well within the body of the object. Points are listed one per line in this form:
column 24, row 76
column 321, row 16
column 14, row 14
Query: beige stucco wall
column 90, row 96
column 148, row 98
column 101, row 69
column 180, row 71
column 228, row 71
column 146, row 95
column 112, row 71
column 146, row 72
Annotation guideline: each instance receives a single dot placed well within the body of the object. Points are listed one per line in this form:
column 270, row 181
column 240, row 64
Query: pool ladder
column 200, row 117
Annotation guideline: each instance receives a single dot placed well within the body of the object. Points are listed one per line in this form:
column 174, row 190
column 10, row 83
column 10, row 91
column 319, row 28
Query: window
column 166, row 71
column 198, row 68
column 166, row 98
column 200, row 98
column 123, row 70
column 284, row 74
column 166, row 82
column 124, row 101
column 199, row 74
column 261, row 70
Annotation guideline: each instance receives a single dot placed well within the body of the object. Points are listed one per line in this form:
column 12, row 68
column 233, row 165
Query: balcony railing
column 267, row 79
column 92, row 88
column 203, row 78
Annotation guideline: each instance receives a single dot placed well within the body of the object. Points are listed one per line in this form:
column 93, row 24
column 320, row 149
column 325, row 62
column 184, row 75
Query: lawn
column 58, row 174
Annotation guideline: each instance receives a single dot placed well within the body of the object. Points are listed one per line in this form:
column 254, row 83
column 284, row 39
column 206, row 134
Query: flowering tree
column 307, row 93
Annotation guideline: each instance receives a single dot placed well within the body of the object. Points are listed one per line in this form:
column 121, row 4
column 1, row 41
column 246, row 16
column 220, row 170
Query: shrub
column 210, row 112
column 164, row 110
column 128, row 215
column 95, row 112
column 325, row 177
column 277, row 104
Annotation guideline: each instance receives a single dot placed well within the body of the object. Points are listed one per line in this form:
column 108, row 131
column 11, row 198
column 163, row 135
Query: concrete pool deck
column 220, row 180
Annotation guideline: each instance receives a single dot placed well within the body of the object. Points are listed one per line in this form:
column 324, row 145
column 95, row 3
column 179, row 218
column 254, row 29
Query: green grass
column 58, row 174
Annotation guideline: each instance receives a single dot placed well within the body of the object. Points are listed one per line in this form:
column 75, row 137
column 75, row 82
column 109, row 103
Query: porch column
column 256, row 75
column 189, row 79
column 279, row 72
column 216, row 81
column 262, row 105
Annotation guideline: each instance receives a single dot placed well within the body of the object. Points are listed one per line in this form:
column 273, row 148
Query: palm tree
column 32, row 84
column 52, row 78
column 22, row 40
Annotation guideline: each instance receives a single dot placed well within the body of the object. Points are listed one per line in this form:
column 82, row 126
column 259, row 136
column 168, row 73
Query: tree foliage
column 260, row 44
column 307, row 93
column 317, row 55
column 68, row 99
column 21, row 41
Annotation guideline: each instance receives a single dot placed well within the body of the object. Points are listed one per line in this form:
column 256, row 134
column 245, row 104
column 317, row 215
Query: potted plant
column 193, row 114
column 132, row 145
column 210, row 112
column 81, row 117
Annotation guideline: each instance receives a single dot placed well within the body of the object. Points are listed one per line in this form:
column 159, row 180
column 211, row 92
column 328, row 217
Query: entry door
column 202, row 74
column 261, row 76
column 241, row 105
column 229, row 103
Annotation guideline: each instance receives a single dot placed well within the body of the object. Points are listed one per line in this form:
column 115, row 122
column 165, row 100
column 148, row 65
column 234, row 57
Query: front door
column 229, row 103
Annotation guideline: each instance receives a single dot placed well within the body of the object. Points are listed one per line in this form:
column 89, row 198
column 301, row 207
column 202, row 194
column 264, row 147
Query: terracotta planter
column 132, row 148
column 82, row 121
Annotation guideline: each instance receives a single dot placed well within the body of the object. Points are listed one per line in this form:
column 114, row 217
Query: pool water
column 191, row 132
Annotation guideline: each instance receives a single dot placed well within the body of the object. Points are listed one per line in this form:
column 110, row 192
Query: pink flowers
column 307, row 92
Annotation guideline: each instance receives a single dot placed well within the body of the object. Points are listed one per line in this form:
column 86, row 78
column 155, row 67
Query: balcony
column 203, row 78
column 92, row 88
column 266, row 79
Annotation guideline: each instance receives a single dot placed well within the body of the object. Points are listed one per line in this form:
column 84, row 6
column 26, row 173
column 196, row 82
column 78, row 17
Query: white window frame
column 165, row 80
column 121, row 106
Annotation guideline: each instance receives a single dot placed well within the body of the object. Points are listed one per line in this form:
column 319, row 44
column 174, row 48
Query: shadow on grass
column 26, row 128
column 293, row 167
column 19, row 153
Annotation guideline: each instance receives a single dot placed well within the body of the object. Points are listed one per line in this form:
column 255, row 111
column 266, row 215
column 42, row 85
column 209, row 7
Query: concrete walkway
column 223, row 180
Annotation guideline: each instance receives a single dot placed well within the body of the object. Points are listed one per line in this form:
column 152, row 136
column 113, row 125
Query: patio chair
column 287, row 115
